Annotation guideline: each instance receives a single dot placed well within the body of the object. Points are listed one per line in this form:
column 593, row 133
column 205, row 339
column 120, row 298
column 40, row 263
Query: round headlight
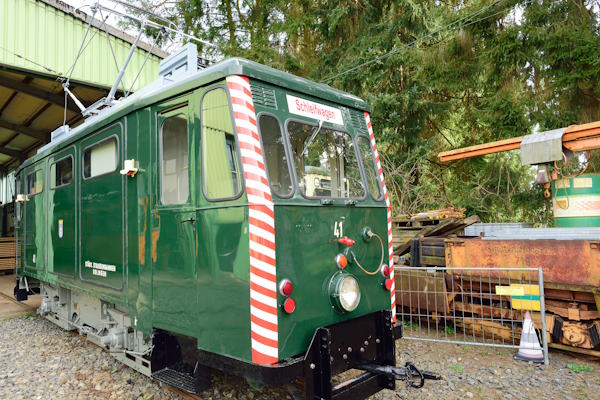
column 344, row 292
column 317, row 182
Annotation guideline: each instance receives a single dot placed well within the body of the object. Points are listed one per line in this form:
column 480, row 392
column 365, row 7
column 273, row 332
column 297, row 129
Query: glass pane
column 219, row 154
column 174, row 162
column 326, row 166
column 368, row 162
column 62, row 172
column 34, row 183
column 100, row 159
column 277, row 166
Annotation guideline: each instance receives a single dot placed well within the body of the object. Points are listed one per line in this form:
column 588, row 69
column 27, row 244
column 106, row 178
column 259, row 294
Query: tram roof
column 163, row 89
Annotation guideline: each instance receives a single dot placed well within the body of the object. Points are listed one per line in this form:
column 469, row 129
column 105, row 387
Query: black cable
column 418, row 40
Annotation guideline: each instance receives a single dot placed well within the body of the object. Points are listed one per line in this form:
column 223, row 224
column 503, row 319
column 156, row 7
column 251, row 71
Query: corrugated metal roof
column 45, row 35
column 39, row 40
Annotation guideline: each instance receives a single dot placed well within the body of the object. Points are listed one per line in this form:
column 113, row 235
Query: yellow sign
column 512, row 290
column 522, row 297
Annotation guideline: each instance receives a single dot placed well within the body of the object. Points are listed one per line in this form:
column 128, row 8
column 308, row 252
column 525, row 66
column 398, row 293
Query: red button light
column 286, row 287
column 346, row 241
column 289, row 305
column 388, row 284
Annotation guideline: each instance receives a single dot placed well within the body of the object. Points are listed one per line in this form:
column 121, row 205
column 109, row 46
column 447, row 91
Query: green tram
column 175, row 229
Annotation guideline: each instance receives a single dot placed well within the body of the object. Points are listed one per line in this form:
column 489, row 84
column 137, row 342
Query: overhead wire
column 429, row 35
column 29, row 60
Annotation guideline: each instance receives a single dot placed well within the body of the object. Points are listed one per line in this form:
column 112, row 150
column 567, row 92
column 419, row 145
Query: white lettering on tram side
column 99, row 269
column 314, row 110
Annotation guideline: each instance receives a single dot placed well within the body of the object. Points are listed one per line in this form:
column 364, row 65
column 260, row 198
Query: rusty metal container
column 567, row 264
column 420, row 289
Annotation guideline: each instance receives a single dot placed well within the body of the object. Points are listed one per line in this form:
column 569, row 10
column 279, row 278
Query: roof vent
column 182, row 63
column 263, row 95
column 358, row 121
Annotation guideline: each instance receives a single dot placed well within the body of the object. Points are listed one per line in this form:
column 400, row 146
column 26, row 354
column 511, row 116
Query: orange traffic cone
column 529, row 348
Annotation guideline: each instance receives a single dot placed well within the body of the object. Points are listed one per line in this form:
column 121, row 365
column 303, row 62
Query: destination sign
column 311, row 109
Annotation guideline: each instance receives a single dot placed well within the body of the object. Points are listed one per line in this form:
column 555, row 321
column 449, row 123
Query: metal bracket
column 542, row 147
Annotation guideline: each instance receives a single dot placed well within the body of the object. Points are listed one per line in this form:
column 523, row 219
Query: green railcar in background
column 178, row 229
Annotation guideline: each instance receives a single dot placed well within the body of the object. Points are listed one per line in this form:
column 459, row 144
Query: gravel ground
column 40, row 361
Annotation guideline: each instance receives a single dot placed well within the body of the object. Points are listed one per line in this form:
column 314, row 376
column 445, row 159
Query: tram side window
column 277, row 165
column 62, row 172
column 220, row 162
column 100, row 158
column 34, row 183
column 174, row 171
column 368, row 162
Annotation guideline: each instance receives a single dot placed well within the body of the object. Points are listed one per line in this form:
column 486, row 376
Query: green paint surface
column 185, row 267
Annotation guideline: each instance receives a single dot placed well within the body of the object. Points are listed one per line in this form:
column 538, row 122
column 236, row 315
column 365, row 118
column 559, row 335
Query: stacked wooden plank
column 428, row 226
column 7, row 253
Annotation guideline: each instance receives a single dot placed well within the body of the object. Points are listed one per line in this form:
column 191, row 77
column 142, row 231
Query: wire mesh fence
column 474, row 306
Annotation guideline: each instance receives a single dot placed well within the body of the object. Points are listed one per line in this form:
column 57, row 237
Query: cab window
column 368, row 161
column 34, row 183
column 174, row 171
column 325, row 162
column 277, row 161
column 61, row 172
column 220, row 162
column 100, row 158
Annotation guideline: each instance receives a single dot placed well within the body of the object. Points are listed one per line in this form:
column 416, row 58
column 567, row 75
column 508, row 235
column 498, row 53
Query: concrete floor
column 9, row 307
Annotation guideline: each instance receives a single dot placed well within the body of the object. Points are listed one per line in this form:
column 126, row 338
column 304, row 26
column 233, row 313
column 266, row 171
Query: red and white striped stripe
column 389, row 215
column 263, row 284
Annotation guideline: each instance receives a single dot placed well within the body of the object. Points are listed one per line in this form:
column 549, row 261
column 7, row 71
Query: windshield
column 328, row 167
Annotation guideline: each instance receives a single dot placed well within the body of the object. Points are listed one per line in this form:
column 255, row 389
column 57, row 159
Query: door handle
column 190, row 219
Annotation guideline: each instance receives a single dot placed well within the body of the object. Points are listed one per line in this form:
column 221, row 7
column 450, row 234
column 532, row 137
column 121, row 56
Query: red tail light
column 286, row 287
column 341, row 261
column 388, row 284
column 386, row 270
column 289, row 305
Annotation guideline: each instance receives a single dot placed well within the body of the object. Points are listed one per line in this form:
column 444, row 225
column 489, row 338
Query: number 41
column 338, row 229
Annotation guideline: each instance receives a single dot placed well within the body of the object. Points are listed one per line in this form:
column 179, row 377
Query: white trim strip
column 265, row 316
column 260, row 281
column 261, row 298
column 264, row 332
column 263, row 266
column 268, row 236
column 259, row 248
column 264, row 349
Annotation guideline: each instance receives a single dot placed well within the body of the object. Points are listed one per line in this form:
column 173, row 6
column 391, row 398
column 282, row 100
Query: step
column 181, row 380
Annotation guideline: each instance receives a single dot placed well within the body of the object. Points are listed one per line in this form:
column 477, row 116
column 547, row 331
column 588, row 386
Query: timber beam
column 576, row 138
column 12, row 153
column 42, row 94
column 25, row 130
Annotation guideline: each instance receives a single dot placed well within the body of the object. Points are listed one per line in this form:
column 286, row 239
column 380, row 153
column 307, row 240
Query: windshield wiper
column 312, row 138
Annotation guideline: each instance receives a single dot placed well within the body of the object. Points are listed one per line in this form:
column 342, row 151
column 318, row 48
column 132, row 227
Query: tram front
column 322, row 294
